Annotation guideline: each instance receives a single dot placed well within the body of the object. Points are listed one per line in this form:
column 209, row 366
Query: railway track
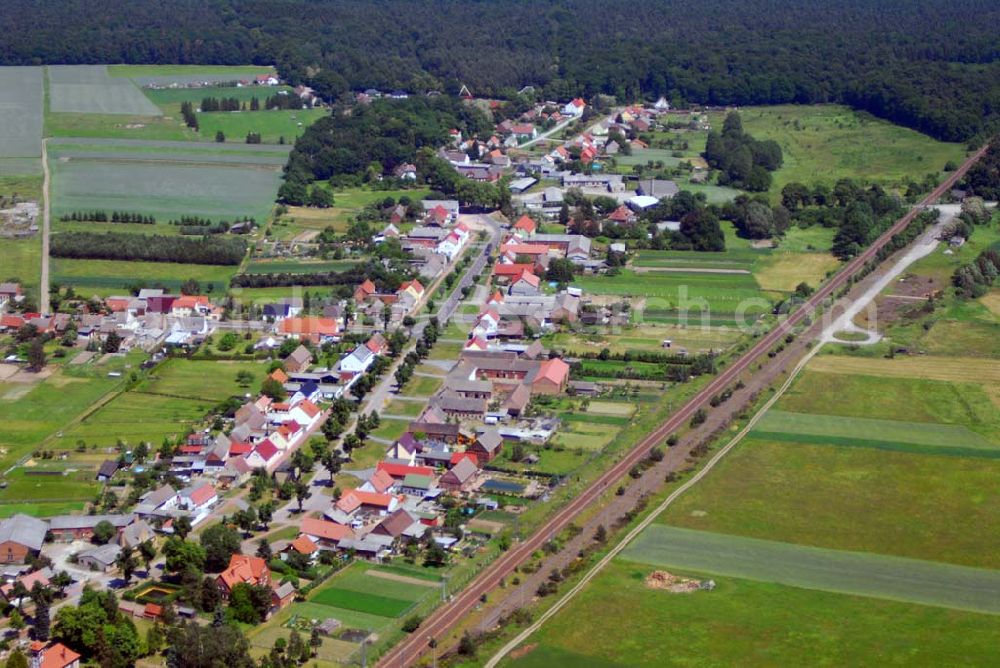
column 412, row 648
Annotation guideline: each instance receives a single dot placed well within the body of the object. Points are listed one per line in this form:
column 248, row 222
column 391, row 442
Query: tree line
column 744, row 162
column 148, row 248
column 99, row 216
column 931, row 65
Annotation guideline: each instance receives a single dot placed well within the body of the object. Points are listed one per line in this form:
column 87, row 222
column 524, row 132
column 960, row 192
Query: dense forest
column 148, row 248
column 930, row 64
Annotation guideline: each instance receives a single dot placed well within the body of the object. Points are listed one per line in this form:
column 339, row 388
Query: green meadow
column 617, row 621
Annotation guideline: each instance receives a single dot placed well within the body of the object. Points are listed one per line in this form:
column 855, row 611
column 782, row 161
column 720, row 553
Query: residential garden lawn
column 616, row 408
column 422, row 386
column 858, row 573
column 134, row 417
column 445, row 351
column 166, row 181
column 360, row 601
column 334, row 651
column 212, row 381
column 618, row 621
column 824, row 143
column 267, row 295
column 391, row 429
column 48, row 407
column 72, row 486
column 585, row 435
column 88, row 89
column 407, row 408
column 114, row 277
column 41, row 509
column 859, row 499
column 22, row 259
column 362, row 578
column 273, row 125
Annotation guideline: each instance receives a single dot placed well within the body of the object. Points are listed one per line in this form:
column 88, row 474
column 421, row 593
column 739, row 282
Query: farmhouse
column 81, row 527
column 461, row 476
column 317, row 330
column 325, row 535
column 21, row 536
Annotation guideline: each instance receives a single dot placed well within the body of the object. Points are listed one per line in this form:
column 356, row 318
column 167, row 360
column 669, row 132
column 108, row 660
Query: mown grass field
column 824, row 143
column 856, row 573
column 272, row 125
column 912, row 505
column 110, row 277
column 372, row 604
column 647, row 337
column 134, row 417
column 164, row 75
column 721, row 292
column 618, row 621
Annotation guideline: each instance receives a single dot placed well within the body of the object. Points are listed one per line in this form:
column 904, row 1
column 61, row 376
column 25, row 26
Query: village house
column 325, row 535
column 100, row 558
column 459, row 477
column 243, row 569
column 53, row 655
column 487, row 445
column 299, row 360
column 317, row 330
column 198, row 497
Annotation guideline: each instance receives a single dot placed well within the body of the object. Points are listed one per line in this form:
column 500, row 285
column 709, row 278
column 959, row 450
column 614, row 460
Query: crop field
column 783, row 271
column 731, row 259
column 167, row 181
column 860, row 574
column 824, row 143
column 833, row 429
column 912, row 400
column 109, row 277
column 21, row 113
column 948, row 369
column 88, row 89
column 861, row 499
column 618, row 621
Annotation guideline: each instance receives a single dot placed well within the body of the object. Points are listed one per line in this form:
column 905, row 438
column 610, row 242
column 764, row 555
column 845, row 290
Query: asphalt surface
column 409, row 651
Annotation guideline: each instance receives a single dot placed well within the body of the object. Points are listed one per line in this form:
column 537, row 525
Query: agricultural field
column 297, row 266
column 860, row 574
column 618, row 621
column 859, row 499
column 274, row 125
column 88, row 89
column 21, row 112
column 824, row 143
column 110, row 277
column 204, row 380
column 165, row 180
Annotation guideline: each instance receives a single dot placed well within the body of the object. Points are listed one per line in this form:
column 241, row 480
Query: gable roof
column 381, row 481
column 300, row 356
column 461, row 472
column 23, row 530
column 355, row 498
column 528, row 278
column 525, row 223
column 313, row 526
column 304, row 545
column 396, row 523
column 553, row 370
column 402, row 470
column 490, row 440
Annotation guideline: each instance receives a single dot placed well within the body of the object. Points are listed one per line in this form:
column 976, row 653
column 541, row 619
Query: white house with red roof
column 380, row 482
column 525, row 226
column 451, row 246
column 414, row 288
column 326, row 535
column 356, row 502
column 574, row 107
column 198, row 497
column 305, row 413
column 53, row 655
column 190, row 305
column 264, row 455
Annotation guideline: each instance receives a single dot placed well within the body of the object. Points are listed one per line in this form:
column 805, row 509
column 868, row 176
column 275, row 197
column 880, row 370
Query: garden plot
column 21, row 114
column 88, row 89
column 861, row 574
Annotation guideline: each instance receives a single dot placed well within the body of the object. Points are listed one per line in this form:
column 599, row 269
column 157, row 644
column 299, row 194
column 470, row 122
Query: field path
column 43, row 286
column 401, row 578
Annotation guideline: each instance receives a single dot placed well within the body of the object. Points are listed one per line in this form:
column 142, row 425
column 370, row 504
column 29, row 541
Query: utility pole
column 433, row 645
